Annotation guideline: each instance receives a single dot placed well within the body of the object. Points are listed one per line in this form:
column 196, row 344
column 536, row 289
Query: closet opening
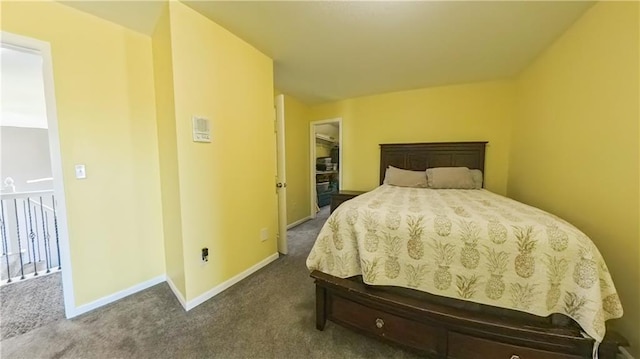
column 326, row 162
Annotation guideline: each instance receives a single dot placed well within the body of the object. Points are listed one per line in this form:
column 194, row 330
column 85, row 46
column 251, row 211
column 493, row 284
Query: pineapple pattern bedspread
column 472, row 245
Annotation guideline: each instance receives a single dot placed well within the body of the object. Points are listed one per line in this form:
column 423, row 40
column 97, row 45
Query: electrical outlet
column 264, row 234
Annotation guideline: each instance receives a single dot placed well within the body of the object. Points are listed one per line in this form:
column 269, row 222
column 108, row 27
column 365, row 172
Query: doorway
column 41, row 191
column 326, row 149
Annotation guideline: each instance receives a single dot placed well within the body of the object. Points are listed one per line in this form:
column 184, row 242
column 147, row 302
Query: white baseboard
column 177, row 293
column 298, row 222
column 162, row 278
column 118, row 295
column 222, row 286
column 624, row 354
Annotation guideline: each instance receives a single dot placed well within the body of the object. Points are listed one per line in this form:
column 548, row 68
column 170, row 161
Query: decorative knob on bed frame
column 380, row 324
column 515, row 357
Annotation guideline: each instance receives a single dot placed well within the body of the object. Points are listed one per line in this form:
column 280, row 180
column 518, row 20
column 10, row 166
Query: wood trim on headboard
column 420, row 156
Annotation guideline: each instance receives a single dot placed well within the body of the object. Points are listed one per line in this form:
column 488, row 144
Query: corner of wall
column 167, row 152
column 219, row 195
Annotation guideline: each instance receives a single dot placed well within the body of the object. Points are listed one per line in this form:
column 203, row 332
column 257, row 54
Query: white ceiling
column 331, row 50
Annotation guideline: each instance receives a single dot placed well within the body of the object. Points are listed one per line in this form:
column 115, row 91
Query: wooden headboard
column 420, row 156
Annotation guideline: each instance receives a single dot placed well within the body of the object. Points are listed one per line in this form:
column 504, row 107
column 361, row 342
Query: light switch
column 81, row 173
column 201, row 129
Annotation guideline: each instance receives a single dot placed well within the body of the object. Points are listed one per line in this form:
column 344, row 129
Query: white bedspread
column 472, row 245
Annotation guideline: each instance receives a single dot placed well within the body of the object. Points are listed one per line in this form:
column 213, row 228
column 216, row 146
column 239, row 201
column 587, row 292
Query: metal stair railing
column 27, row 220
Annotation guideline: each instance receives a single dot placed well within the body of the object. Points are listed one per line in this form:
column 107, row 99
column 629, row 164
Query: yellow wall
column 471, row 112
column 575, row 141
column 168, row 152
column 106, row 116
column 573, row 148
column 297, row 158
column 227, row 192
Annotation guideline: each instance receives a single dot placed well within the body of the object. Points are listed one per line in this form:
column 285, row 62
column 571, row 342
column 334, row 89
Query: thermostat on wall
column 201, row 130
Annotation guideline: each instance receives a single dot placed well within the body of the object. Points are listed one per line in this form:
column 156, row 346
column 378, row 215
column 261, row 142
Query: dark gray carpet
column 30, row 304
column 268, row 315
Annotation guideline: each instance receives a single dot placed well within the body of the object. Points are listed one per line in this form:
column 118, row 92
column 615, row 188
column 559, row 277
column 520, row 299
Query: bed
column 461, row 273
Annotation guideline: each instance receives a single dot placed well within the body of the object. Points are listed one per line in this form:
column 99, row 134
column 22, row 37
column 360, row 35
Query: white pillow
column 405, row 178
column 476, row 175
column 450, row 177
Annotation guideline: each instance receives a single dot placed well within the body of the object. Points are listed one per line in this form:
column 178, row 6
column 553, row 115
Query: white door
column 281, row 179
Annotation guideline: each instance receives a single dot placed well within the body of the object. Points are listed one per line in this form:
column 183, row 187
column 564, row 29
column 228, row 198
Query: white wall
column 22, row 102
column 24, row 141
column 24, row 155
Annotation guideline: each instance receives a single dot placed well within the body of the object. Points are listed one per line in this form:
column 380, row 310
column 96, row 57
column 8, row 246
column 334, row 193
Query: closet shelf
column 326, row 139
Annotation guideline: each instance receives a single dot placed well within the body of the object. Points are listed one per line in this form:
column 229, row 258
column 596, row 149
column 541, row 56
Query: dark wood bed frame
column 441, row 327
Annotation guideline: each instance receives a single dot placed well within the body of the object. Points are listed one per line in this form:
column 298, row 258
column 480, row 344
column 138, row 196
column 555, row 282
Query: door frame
column 281, row 174
column 43, row 48
column 312, row 160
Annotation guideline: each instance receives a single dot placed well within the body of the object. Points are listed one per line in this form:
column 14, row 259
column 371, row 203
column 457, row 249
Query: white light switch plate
column 201, row 129
column 81, row 172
